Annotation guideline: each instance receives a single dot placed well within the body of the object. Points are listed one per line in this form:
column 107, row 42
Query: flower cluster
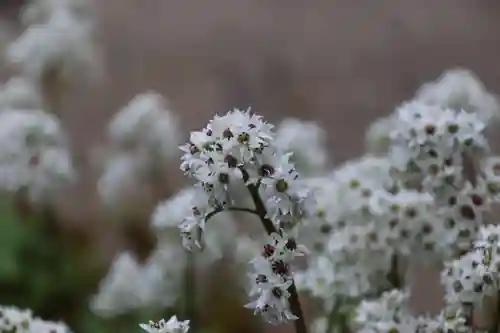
column 173, row 325
column 423, row 197
column 34, row 154
column 272, row 278
column 16, row 320
column 143, row 139
column 20, row 93
column 431, row 143
column 59, row 39
column 475, row 275
column 236, row 152
column 307, row 142
column 391, row 313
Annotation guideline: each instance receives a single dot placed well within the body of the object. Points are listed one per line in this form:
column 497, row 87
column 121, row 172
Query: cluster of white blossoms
column 17, row 320
column 429, row 145
column 131, row 285
column 59, row 37
column 423, row 197
column 307, row 142
column 34, row 154
column 20, row 93
column 347, row 235
column 173, row 325
column 391, row 313
column 474, row 276
column 143, row 138
column 233, row 154
column 272, row 278
column 237, row 151
column 234, row 150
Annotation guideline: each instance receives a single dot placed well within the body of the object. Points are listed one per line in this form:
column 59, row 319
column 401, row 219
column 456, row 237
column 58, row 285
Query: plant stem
column 300, row 325
column 190, row 289
column 393, row 275
column 495, row 328
column 469, row 312
column 261, row 211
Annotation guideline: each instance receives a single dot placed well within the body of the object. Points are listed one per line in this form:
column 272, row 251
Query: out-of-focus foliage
column 52, row 272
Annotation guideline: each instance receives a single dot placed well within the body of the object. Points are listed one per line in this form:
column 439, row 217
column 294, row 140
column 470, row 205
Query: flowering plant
column 422, row 195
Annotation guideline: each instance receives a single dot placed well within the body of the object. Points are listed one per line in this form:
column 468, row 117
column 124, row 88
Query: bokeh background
column 342, row 63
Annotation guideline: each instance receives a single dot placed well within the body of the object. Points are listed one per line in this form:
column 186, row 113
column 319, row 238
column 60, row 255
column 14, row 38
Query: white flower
column 61, row 43
column 34, row 153
column 377, row 138
column 173, row 325
column 40, row 11
column 146, row 123
column 41, row 326
column 16, row 320
column 20, row 93
column 119, row 180
column 118, row 291
column 12, row 318
column 460, row 89
column 306, row 140
column 468, row 279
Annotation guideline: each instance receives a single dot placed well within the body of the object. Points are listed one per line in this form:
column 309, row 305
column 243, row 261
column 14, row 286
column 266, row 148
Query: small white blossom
column 16, row 320
column 34, row 155
column 460, row 89
column 306, row 140
column 20, row 93
column 173, row 325
column 146, row 123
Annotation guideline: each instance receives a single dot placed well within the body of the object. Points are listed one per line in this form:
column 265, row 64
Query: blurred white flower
column 307, row 142
column 34, row 155
column 58, row 40
column 119, row 179
column 146, row 124
column 16, row 320
column 60, row 44
column 378, row 136
column 118, row 291
column 20, row 93
column 460, row 89
column 40, row 11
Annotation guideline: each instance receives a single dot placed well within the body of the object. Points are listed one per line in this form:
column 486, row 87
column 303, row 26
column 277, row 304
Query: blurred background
column 340, row 63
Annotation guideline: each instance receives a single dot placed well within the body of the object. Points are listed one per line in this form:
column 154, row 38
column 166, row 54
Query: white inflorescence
column 34, row 155
column 239, row 148
column 460, row 89
column 16, row 320
column 475, row 275
column 20, row 93
column 173, row 325
column 130, row 285
column 59, row 37
column 425, row 197
column 307, row 141
column 143, row 138
column 147, row 124
column 391, row 313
